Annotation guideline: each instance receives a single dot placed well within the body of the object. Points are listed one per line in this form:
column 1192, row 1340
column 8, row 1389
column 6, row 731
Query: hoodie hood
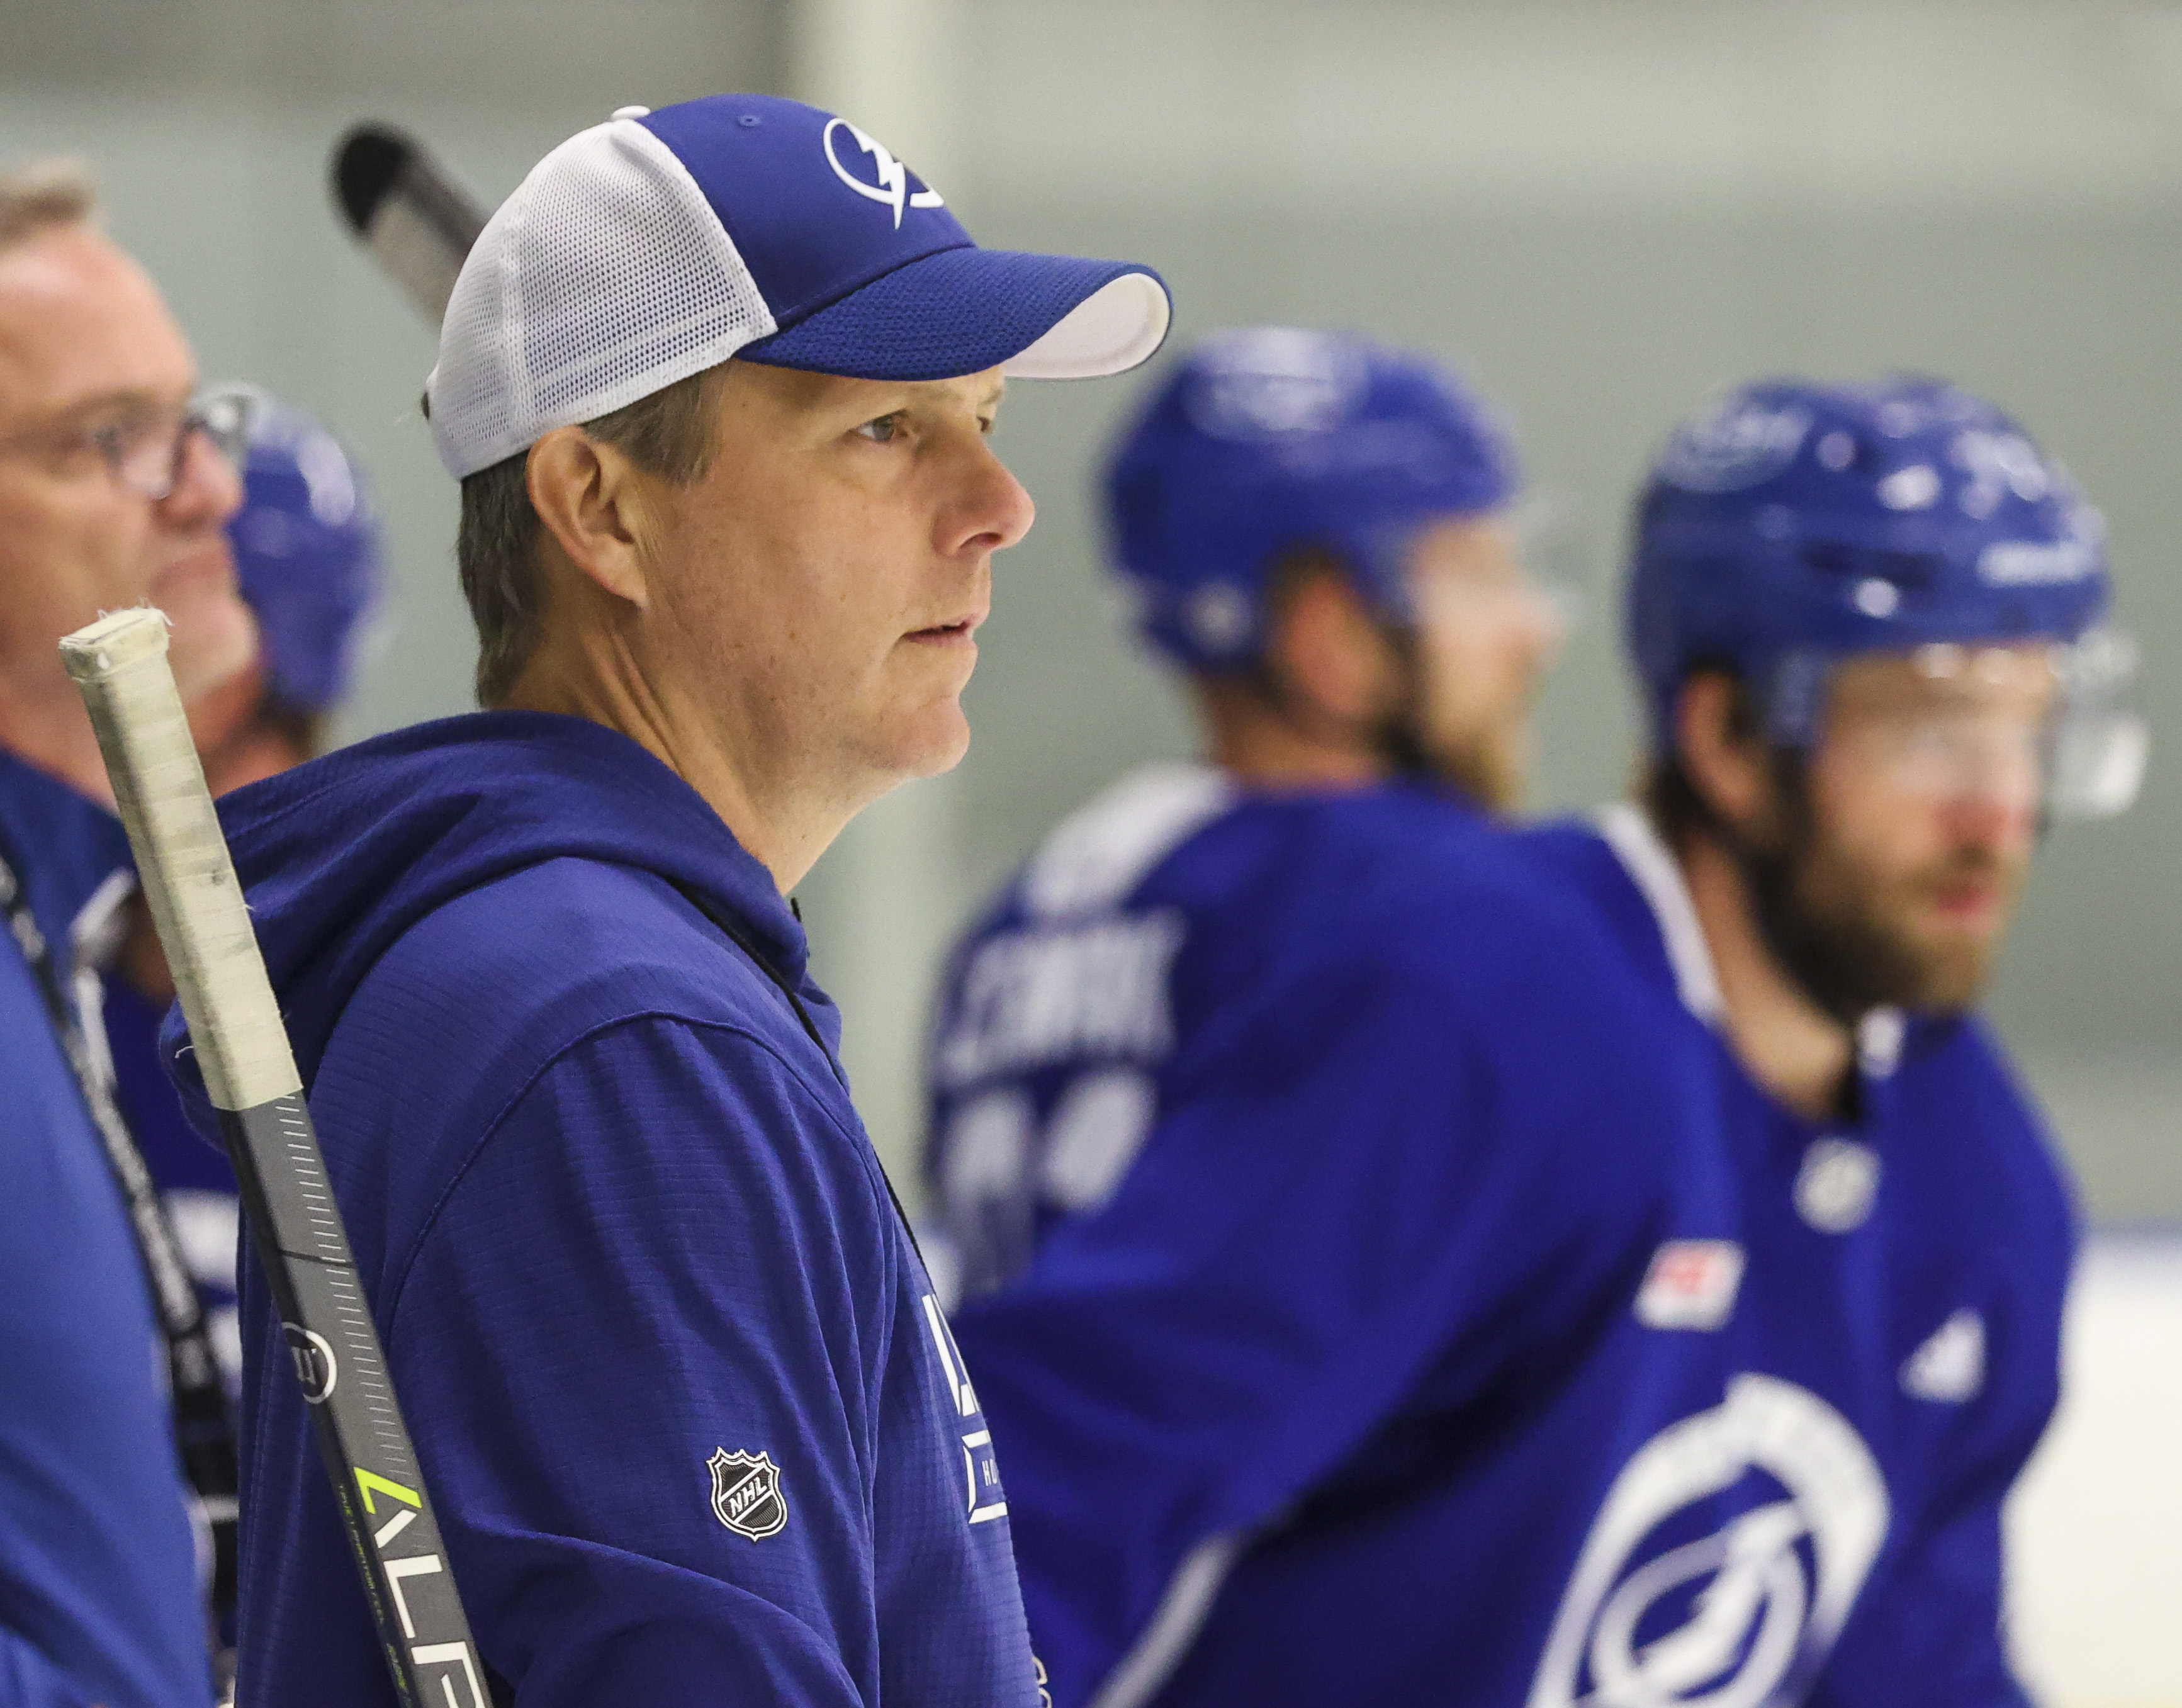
column 340, row 857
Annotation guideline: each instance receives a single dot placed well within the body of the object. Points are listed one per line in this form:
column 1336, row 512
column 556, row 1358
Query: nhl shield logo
column 746, row 1494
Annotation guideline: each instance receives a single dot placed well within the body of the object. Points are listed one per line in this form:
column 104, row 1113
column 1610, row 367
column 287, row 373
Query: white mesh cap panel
column 604, row 277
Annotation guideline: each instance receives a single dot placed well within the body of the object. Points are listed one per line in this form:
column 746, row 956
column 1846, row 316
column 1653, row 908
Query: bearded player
column 1864, row 617
column 1333, row 1233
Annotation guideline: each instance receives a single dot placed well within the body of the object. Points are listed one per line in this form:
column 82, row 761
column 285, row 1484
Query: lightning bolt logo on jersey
column 1743, row 1614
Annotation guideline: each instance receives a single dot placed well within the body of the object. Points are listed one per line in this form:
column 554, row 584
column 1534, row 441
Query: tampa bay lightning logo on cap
column 891, row 185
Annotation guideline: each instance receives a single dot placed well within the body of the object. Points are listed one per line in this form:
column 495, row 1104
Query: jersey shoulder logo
column 1691, row 1284
column 1949, row 1367
column 891, row 185
column 746, row 1494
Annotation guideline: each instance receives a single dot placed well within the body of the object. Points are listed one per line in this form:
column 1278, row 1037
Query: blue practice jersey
column 695, row 1428
column 100, row 1600
column 1340, row 1249
column 1908, row 1266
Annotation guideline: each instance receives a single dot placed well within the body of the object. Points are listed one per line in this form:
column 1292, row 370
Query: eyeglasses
column 144, row 453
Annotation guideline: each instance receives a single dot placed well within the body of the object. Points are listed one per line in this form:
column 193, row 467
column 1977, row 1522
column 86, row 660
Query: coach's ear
column 590, row 499
column 1721, row 754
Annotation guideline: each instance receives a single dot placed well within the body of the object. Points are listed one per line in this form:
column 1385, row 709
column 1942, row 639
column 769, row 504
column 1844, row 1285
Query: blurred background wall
column 1605, row 210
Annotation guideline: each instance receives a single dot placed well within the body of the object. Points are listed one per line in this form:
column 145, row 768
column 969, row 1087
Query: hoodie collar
column 341, row 856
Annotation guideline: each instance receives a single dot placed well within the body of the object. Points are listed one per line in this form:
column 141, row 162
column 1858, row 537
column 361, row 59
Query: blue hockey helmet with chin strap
column 1792, row 524
column 1271, row 439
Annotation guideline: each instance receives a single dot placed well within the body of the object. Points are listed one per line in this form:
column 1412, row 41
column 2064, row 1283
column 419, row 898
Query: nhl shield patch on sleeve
column 746, row 1494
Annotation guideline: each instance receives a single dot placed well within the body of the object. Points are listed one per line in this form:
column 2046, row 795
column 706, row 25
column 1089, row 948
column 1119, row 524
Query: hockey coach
column 716, row 380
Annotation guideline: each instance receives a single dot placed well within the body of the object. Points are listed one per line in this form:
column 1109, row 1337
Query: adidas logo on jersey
column 1948, row 1368
column 1691, row 1284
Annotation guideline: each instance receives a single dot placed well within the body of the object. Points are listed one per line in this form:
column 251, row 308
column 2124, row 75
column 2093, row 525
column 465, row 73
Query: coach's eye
column 883, row 430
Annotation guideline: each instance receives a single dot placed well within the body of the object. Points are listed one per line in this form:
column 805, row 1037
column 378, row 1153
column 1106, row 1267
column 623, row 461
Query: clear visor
column 2037, row 726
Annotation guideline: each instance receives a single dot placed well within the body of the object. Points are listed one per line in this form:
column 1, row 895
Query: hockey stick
column 399, row 203
column 119, row 665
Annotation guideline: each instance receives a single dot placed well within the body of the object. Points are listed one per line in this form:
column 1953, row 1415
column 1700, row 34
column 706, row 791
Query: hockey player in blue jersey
column 1865, row 621
column 716, row 380
column 1333, row 1237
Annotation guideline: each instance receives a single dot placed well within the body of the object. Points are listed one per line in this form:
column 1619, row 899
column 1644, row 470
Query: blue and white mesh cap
column 658, row 245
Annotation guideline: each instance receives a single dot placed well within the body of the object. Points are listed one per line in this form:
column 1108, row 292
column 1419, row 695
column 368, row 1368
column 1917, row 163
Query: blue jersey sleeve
column 698, row 1296
column 1356, row 1191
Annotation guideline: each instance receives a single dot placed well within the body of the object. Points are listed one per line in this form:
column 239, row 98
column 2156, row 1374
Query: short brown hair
column 668, row 433
column 42, row 194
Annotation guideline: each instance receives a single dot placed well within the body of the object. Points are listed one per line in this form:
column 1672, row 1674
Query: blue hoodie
column 627, row 1244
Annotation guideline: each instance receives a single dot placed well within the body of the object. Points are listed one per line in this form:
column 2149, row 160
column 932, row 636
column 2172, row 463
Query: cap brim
column 962, row 311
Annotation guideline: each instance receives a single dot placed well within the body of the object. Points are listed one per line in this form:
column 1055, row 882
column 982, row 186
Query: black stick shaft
column 326, row 1321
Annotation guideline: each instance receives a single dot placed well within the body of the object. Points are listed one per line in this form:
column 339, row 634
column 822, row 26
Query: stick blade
column 402, row 206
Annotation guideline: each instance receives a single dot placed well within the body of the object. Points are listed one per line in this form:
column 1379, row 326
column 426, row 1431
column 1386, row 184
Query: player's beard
column 1844, row 932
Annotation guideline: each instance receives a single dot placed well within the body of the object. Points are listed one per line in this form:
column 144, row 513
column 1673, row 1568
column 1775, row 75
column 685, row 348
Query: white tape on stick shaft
column 119, row 666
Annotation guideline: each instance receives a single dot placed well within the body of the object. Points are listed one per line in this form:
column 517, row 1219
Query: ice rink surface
column 2096, row 1529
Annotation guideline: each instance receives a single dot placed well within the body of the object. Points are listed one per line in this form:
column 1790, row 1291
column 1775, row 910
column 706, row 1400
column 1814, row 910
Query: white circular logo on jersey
column 1836, row 1185
column 889, row 179
column 1743, row 1615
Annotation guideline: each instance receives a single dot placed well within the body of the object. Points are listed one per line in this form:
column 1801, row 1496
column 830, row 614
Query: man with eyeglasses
column 111, row 494
column 1866, row 620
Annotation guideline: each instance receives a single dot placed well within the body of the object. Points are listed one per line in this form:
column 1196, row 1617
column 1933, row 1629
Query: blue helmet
column 1793, row 524
column 306, row 553
column 1269, row 439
